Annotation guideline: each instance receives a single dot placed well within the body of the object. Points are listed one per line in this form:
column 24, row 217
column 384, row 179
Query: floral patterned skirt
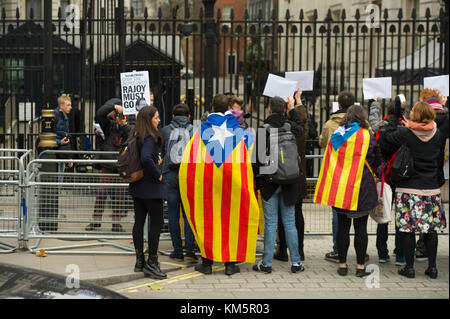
column 415, row 213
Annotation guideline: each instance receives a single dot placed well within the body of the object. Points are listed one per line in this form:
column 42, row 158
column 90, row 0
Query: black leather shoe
column 151, row 268
column 342, row 271
column 362, row 272
column 431, row 272
column 232, row 269
column 204, row 269
column 407, row 272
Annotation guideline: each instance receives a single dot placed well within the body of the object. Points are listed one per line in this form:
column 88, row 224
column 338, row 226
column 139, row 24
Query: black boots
column 140, row 262
column 151, row 268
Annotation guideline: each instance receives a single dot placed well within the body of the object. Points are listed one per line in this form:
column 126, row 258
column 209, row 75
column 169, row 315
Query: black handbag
column 403, row 166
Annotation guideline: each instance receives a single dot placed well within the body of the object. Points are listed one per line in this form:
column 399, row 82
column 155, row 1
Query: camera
column 121, row 116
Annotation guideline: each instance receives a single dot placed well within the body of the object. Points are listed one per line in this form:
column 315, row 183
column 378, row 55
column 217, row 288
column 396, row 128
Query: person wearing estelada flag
column 217, row 190
column 347, row 182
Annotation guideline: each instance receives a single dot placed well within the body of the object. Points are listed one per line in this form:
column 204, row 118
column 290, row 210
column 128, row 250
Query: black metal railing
column 192, row 57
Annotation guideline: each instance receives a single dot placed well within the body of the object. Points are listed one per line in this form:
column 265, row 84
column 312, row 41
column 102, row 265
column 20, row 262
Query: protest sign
column 380, row 88
column 439, row 82
column 304, row 79
column 135, row 86
column 279, row 86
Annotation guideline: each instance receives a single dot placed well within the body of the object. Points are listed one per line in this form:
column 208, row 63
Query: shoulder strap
column 371, row 171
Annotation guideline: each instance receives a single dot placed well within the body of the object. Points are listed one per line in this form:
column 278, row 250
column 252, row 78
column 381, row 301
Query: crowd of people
column 359, row 145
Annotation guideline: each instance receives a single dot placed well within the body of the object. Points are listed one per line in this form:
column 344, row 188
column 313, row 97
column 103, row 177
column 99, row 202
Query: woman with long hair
column 418, row 204
column 347, row 183
column 149, row 192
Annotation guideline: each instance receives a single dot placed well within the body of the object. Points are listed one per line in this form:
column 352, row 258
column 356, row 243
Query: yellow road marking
column 172, row 280
column 173, row 264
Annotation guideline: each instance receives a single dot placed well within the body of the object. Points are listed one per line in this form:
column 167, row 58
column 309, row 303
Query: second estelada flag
column 340, row 176
column 216, row 187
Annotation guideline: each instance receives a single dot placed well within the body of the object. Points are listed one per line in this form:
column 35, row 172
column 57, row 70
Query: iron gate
column 190, row 57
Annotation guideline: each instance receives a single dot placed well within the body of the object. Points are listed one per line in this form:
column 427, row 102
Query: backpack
column 289, row 161
column 129, row 164
column 176, row 137
column 403, row 165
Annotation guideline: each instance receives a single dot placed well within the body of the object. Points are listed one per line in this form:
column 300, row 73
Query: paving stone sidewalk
column 319, row 281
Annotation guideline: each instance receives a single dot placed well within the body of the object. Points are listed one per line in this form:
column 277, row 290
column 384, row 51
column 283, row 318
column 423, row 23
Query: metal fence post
column 47, row 138
column 209, row 50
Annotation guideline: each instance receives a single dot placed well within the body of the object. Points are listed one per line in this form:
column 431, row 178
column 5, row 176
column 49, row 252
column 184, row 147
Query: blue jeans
column 173, row 207
column 270, row 208
column 334, row 224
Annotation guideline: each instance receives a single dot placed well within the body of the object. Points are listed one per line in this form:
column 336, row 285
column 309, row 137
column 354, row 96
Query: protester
column 348, row 183
column 345, row 100
column 49, row 208
column 437, row 102
column 176, row 135
column 149, row 192
column 216, row 187
column 235, row 103
column 389, row 153
column 116, row 131
column 63, row 130
column 236, row 106
column 311, row 143
column 418, row 200
column 281, row 253
column 276, row 197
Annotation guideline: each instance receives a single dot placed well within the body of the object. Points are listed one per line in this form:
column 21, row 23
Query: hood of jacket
column 180, row 121
column 424, row 132
column 337, row 117
column 275, row 120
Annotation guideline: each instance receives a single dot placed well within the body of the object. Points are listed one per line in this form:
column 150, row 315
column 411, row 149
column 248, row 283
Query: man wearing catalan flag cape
column 347, row 182
column 217, row 190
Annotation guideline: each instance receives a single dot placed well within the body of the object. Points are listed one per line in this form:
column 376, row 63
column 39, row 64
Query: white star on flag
column 220, row 133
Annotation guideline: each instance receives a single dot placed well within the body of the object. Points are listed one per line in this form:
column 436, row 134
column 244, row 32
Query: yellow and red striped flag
column 340, row 176
column 217, row 190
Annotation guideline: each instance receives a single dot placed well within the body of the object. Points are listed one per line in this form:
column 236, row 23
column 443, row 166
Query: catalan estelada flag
column 217, row 189
column 342, row 168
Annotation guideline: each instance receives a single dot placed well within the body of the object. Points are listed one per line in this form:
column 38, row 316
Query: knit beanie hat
column 435, row 103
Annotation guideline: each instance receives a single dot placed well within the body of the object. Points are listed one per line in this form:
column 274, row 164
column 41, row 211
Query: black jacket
column 291, row 192
column 428, row 156
column 442, row 120
column 149, row 186
column 115, row 135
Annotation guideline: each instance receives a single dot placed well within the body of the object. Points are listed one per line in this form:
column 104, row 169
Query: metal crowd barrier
column 11, row 197
column 41, row 205
column 62, row 206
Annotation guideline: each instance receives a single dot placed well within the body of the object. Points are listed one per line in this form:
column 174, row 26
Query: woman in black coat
column 418, row 200
column 149, row 192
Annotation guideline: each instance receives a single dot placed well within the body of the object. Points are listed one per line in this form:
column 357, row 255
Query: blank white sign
column 279, row 86
column 437, row 82
column 377, row 88
column 304, row 79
